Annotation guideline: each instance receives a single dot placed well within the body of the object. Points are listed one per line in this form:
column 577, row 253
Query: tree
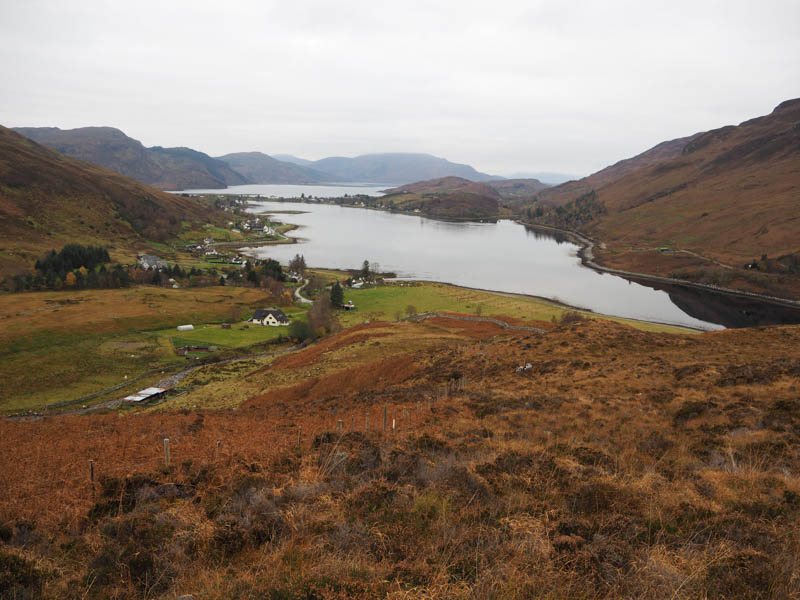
column 156, row 278
column 299, row 330
column 273, row 269
column 411, row 310
column 365, row 270
column 337, row 295
column 298, row 265
column 69, row 280
column 221, row 281
column 320, row 318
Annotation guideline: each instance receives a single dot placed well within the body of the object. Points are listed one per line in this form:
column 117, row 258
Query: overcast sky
column 504, row 86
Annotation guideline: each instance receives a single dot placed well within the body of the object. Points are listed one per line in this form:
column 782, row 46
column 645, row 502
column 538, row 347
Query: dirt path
column 300, row 296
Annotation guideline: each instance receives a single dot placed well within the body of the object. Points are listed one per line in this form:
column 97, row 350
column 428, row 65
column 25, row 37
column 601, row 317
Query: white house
column 148, row 261
column 269, row 316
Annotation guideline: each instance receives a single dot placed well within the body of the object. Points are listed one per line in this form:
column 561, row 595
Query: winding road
column 300, row 296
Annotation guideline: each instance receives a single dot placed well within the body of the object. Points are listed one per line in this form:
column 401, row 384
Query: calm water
column 502, row 256
column 294, row 191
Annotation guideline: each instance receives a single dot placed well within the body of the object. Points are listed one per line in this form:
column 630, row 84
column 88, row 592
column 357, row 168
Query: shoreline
column 586, row 255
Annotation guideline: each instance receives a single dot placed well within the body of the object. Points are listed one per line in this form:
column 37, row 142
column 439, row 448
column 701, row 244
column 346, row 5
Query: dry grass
column 621, row 464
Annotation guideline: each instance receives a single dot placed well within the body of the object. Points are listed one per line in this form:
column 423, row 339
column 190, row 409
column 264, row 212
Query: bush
column 19, row 578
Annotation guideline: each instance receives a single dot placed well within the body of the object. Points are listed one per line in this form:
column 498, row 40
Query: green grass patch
column 51, row 367
column 240, row 334
column 390, row 301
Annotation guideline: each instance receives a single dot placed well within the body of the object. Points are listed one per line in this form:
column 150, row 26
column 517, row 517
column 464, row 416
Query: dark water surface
column 502, row 256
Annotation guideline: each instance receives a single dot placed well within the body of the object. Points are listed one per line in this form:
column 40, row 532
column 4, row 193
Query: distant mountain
column 390, row 168
column 48, row 199
column 293, row 159
column 544, row 176
column 262, row 168
column 163, row 168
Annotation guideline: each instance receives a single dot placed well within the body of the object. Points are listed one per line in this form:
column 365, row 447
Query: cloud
column 505, row 86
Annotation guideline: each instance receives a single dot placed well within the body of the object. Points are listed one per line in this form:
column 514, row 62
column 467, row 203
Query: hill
column 721, row 207
column 258, row 167
column 570, row 190
column 445, row 185
column 446, row 197
column 395, row 168
column 163, row 168
column 442, row 458
column 48, row 199
column 516, row 190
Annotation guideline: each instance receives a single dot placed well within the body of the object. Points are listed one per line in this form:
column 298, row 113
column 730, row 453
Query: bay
column 503, row 256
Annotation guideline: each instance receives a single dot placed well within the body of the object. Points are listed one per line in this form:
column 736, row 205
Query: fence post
column 299, row 435
column 405, row 413
column 166, row 451
column 366, row 421
column 340, row 425
column 216, row 451
column 393, row 426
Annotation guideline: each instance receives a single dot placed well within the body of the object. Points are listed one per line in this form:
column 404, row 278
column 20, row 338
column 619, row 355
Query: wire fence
column 70, row 478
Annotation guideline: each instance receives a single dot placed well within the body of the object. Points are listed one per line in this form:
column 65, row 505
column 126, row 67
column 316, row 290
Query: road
column 300, row 296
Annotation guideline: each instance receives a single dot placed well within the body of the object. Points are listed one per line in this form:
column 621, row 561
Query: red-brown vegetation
column 594, row 461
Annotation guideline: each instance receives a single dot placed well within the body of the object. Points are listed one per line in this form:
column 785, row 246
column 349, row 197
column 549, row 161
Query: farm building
column 185, row 327
column 269, row 316
column 149, row 261
column 146, row 394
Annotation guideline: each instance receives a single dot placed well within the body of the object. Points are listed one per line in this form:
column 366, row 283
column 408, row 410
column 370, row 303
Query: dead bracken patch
column 621, row 464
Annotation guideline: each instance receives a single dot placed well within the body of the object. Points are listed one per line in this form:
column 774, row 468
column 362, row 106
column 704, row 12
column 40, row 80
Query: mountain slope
column 561, row 194
column 48, row 199
column 395, row 168
column 726, row 199
column 164, row 168
column 258, row 167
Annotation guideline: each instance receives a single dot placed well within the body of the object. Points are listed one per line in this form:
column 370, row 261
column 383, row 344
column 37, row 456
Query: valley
column 483, row 387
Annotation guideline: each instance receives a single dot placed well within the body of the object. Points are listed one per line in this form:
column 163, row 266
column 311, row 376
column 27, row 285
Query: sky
column 530, row 86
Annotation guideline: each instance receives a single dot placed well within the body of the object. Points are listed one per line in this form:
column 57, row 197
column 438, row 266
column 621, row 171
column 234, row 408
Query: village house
column 269, row 316
column 149, row 261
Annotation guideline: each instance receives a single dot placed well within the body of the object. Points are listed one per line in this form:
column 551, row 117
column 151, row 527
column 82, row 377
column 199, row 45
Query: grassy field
column 240, row 334
column 57, row 346
column 391, row 301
